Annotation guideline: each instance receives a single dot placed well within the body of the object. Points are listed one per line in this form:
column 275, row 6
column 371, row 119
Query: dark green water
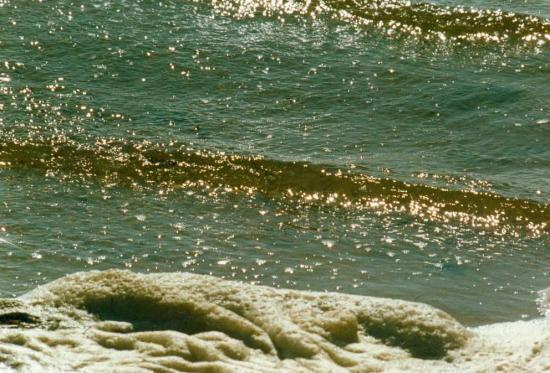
column 372, row 147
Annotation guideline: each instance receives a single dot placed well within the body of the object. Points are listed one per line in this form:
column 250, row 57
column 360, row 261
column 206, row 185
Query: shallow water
column 308, row 148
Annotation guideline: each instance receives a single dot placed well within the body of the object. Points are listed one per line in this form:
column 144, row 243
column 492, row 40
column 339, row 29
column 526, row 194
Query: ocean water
column 373, row 148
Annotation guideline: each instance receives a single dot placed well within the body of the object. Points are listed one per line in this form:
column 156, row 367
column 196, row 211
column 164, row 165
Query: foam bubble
column 122, row 321
column 544, row 302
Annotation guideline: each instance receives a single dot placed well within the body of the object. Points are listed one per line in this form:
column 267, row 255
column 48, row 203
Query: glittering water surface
column 376, row 147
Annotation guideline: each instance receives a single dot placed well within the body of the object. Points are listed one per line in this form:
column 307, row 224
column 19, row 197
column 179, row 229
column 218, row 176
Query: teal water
column 330, row 146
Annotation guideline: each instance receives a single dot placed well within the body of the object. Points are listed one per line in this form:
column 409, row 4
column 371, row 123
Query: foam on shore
column 125, row 322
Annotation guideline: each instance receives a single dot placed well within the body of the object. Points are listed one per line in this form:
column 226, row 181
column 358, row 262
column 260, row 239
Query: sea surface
column 381, row 148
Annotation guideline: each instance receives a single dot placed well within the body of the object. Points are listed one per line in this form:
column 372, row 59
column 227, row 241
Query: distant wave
column 403, row 18
column 175, row 166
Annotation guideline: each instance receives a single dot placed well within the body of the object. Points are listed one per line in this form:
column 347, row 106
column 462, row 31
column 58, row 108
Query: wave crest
column 174, row 166
column 403, row 18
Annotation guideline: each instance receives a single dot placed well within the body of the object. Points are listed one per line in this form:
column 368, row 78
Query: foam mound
column 119, row 321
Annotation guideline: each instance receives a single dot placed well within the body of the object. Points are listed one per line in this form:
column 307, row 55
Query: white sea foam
column 118, row 321
column 544, row 302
